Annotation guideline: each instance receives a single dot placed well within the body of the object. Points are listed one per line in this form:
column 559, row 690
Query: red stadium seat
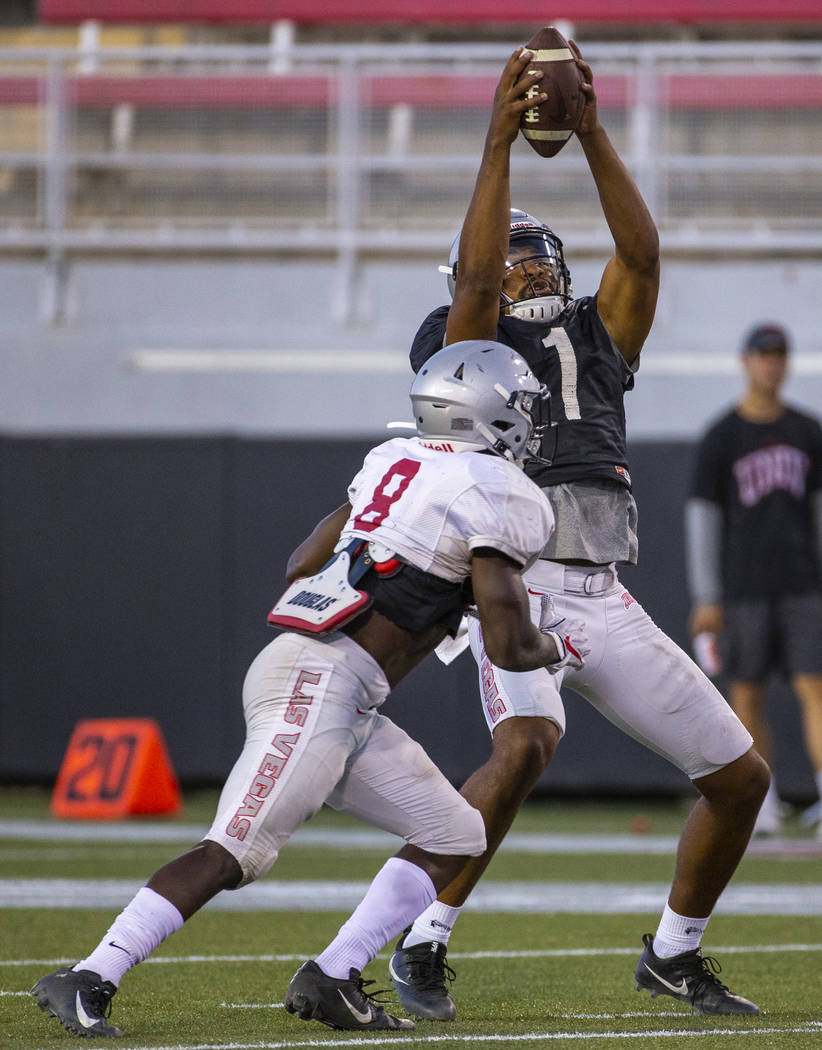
column 313, row 12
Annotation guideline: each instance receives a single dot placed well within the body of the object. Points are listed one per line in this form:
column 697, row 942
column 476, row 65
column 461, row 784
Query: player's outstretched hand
column 510, row 100
column 590, row 117
column 569, row 636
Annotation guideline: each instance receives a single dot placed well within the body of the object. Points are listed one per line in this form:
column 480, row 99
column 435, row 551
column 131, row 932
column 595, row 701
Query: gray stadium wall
column 136, row 574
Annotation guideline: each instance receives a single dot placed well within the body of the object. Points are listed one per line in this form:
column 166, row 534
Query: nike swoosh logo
column 677, row 989
column 363, row 1016
column 122, row 949
column 541, row 594
column 82, row 1016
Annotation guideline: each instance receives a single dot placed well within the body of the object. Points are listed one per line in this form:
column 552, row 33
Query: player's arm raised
column 630, row 283
column 474, row 313
column 317, row 548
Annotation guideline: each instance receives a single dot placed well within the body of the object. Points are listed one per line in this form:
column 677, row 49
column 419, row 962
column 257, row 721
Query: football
column 549, row 126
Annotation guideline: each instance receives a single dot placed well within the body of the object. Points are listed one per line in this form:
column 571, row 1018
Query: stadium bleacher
column 461, row 12
column 356, row 21
column 166, row 124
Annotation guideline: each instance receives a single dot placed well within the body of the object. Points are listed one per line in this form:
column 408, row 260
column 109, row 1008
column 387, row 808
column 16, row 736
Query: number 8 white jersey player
column 426, row 515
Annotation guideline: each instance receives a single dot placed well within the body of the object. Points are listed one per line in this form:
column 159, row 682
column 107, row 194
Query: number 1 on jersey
column 558, row 339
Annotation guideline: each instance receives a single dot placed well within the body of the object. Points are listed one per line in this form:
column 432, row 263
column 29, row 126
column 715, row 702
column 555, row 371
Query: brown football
column 549, row 126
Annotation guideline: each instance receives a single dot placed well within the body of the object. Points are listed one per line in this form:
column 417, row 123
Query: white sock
column 137, row 930
column 435, row 924
column 400, row 891
column 677, row 934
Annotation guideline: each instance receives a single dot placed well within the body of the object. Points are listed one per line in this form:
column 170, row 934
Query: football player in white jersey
column 509, row 282
column 433, row 524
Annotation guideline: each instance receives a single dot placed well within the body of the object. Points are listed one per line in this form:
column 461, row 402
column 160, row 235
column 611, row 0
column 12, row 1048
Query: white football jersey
column 433, row 506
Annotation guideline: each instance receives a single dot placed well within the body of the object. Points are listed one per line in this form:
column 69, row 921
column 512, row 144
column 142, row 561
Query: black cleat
column 79, row 1000
column 691, row 978
column 418, row 975
column 313, row 995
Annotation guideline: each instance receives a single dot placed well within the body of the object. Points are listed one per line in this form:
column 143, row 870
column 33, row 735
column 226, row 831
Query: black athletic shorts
column 780, row 634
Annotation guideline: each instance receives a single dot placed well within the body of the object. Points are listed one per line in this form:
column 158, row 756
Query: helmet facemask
column 481, row 394
column 535, row 409
column 534, row 252
column 536, row 285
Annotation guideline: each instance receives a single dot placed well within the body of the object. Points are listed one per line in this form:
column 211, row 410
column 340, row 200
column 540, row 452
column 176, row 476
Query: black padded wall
column 136, row 574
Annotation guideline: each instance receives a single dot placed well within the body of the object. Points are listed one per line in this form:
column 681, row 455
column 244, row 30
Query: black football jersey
column 762, row 476
column 576, row 359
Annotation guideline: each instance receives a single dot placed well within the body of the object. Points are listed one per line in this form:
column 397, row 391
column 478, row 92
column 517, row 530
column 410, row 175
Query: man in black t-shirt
column 754, row 535
column 509, row 282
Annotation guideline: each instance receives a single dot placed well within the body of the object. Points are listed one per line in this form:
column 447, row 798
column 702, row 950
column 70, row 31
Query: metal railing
column 356, row 150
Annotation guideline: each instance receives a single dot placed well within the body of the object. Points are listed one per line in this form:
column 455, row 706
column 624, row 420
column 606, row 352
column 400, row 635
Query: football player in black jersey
column 754, row 537
column 509, row 282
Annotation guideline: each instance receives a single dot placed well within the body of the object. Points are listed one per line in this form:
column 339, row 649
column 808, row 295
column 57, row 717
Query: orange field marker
column 115, row 767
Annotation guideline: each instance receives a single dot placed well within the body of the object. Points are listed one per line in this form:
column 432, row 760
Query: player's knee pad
column 460, row 831
column 255, row 859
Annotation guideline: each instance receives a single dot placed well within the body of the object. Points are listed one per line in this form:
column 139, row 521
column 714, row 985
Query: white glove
column 450, row 648
column 569, row 637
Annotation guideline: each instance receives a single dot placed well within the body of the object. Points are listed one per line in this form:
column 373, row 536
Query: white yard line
column 368, row 838
column 811, row 1029
column 535, row 953
column 565, row 1017
column 581, row 898
column 251, row 1006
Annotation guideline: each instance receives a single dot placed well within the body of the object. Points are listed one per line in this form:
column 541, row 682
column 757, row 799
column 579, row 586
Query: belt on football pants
column 580, row 581
column 574, row 579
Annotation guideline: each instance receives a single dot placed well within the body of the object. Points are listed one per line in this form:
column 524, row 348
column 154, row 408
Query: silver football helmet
column 481, row 394
column 537, row 283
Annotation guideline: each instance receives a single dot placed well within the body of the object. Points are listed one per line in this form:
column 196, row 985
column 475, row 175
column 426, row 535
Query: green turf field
column 523, row 979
